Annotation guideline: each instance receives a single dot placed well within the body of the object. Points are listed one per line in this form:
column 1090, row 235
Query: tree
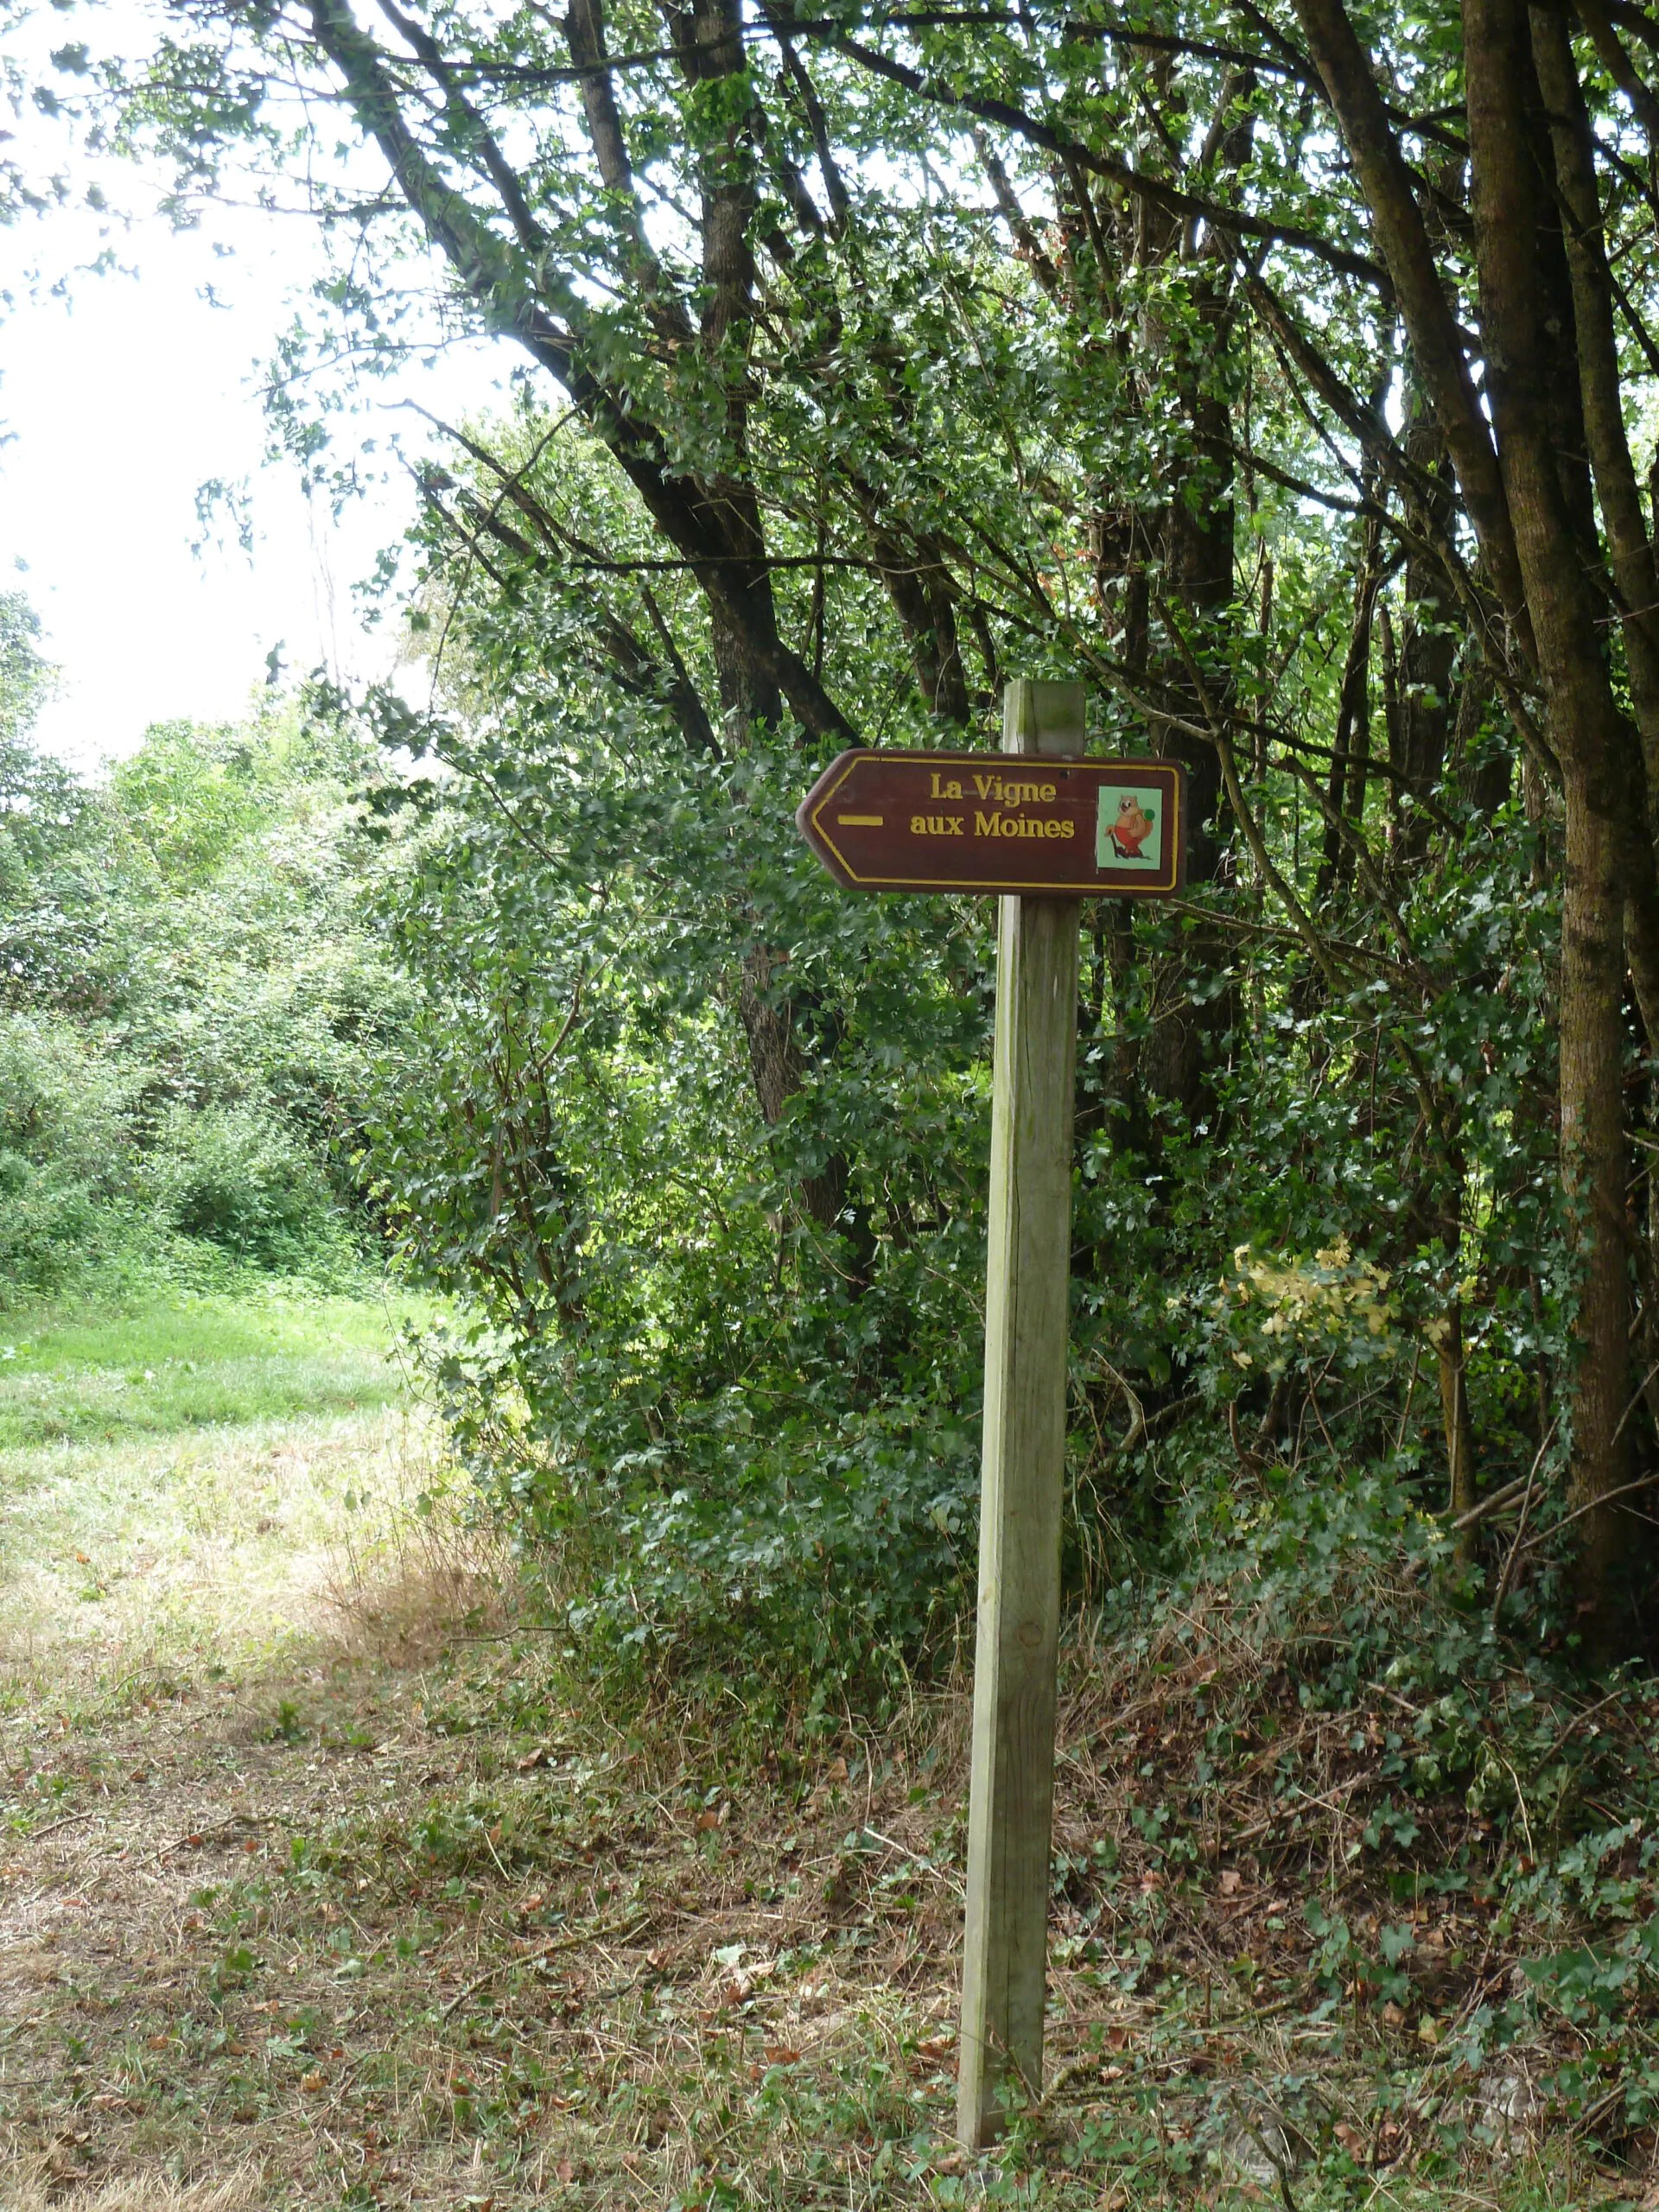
column 42, row 803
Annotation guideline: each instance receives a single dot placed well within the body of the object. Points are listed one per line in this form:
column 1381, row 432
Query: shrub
column 234, row 1177
column 62, row 1101
column 64, row 1143
column 48, row 1221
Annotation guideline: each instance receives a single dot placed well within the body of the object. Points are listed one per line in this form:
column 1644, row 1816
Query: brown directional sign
column 995, row 821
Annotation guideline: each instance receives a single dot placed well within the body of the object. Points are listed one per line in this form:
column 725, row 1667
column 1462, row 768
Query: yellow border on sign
column 1140, row 884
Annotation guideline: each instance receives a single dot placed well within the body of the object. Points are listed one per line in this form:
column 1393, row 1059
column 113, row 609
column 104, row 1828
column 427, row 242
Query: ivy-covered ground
column 322, row 1883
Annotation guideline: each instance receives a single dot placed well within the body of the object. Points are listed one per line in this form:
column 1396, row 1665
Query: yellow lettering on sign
column 1011, row 826
column 1003, row 791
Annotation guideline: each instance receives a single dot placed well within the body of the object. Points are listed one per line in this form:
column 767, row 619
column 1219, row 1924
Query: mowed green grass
column 188, row 1477
column 178, row 1361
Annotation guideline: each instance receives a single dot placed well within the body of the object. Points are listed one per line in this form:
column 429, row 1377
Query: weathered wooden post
column 1041, row 836
column 1027, row 1277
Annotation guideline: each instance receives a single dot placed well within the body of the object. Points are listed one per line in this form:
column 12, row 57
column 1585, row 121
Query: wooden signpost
column 1043, row 829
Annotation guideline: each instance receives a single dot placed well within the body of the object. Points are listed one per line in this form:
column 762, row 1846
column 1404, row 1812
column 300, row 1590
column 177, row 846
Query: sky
column 119, row 397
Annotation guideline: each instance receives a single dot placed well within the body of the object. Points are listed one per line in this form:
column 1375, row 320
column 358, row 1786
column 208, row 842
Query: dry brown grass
column 503, row 1965
column 29, row 2186
column 422, row 1936
column 419, row 1562
column 338, row 1892
column 213, row 1548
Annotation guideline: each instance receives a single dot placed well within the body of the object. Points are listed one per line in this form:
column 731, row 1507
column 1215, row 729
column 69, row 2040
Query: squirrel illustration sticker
column 1127, row 832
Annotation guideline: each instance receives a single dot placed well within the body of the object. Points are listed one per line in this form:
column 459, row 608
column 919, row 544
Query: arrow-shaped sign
column 996, row 822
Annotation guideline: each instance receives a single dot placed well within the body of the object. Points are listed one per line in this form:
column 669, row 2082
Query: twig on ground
column 1494, row 1502
column 193, row 1837
column 1577, row 1721
column 1514, row 1552
column 1590, row 1505
column 618, row 1934
column 69, row 1821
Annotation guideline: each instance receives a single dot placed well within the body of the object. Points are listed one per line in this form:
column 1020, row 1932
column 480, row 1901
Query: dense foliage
column 892, row 355
column 189, row 1008
column 740, row 1417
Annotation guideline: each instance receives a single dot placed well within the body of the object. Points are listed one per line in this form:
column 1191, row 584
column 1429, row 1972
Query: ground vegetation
column 323, row 1882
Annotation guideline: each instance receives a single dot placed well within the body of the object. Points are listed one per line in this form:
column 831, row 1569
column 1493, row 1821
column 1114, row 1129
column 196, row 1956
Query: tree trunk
column 1514, row 221
column 1345, row 786
column 1429, row 651
column 1454, row 1417
column 785, row 1029
column 1592, row 1174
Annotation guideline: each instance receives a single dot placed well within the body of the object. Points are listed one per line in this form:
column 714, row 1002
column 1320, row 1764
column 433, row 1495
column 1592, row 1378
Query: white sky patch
column 118, row 400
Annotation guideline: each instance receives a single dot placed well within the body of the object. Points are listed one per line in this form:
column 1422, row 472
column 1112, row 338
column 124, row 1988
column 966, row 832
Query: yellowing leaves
column 1330, row 1296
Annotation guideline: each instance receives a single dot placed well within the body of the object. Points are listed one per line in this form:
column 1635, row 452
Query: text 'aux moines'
column 1006, row 792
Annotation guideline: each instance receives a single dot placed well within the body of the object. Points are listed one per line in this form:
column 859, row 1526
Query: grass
column 177, row 1472
column 323, row 1882
column 211, row 1545
column 173, row 1362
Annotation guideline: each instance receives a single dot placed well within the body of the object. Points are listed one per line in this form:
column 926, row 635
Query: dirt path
column 309, row 1894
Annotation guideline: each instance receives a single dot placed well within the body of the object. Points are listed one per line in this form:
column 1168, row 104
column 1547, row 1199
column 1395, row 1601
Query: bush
column 64, row 1145
column 48, row 1221
column 233, row 1176
column 61, row 1100
column 186, row 1002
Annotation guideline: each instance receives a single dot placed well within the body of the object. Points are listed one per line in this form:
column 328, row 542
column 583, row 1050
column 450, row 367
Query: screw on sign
column 1044, row 828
